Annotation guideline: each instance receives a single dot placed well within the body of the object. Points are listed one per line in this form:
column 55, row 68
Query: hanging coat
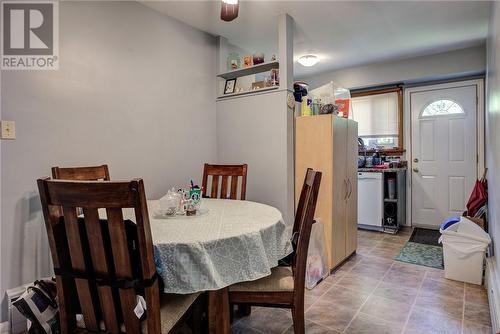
column 478, row 197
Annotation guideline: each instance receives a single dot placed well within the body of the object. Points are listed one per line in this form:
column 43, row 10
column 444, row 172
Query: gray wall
column 438, row 66
column 258, row 130
column 135, row 90
column 493, row 131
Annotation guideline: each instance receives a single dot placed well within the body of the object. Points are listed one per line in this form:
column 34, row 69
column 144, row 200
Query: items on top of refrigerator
column 334, row 98
column 306, row 106
column 300, row 89
column 328, row 109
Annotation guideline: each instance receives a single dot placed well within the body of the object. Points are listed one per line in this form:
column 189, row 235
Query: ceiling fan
column 229, row 10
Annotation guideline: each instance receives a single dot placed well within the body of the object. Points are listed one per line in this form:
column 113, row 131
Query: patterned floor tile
column 423, row 321
column 371, row 293
column 314, row 328
column 431, row 288
column 366, row 324
column 267, row 320
column 476, row 295
column 239, row 328
column 370, row 271
column 330, row 315
column 477, row 313
column 444, row 306
column 359, row 283
column 400, row 278
column 342, row 296
column 472, row 328
column 397, row 292
column 386, row 309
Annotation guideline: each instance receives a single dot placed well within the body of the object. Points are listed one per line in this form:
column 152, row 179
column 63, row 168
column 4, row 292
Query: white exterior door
column 444, row 152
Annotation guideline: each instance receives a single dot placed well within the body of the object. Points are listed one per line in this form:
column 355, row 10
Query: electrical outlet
column 8, row 130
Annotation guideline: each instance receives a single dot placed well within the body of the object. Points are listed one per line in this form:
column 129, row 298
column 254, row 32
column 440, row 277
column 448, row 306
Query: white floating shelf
column 260, row 90
column 241, row 72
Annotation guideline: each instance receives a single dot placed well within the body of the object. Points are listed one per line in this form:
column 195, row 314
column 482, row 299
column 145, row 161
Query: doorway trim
column 480, row 140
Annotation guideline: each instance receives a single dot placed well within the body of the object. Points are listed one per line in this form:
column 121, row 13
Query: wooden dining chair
column 91, row 173
column 103, row 262
column 223, row 172
column 284, row 288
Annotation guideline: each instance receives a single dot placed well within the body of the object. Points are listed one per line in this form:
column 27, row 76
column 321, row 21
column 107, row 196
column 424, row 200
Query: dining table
column 226, row 242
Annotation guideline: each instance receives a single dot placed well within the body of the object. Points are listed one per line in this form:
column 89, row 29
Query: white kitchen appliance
column 370, row 200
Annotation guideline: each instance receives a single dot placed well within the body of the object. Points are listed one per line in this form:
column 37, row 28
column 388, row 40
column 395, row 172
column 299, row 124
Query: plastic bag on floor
column 317, row 268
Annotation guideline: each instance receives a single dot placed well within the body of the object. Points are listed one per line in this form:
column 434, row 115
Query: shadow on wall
column 32, row 243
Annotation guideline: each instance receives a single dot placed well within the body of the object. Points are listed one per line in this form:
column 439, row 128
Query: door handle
column 350, row 188
column 415, row 169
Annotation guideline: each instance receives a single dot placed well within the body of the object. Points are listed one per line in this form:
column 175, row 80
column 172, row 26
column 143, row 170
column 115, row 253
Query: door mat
column 422, row 255
column 425, row 236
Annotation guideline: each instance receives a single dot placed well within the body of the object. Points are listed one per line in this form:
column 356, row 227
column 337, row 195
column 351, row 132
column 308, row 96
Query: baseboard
column 4, row 328
column 493, row 286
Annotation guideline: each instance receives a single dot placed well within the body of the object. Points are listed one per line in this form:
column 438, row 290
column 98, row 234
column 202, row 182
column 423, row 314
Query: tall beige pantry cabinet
column 329, row 144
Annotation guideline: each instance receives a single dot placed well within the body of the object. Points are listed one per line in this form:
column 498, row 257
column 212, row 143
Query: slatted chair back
column 224, row 172
column 89, row 173
column 305, row 217
column 101, row 261
column 301, row 205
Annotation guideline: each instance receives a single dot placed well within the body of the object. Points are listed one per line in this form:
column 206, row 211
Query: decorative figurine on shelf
column 268, row 81
column 258, row 85
column 233, row 61
column 258, row 58
column 273, row 58
column 247, row 61
column 275, row 77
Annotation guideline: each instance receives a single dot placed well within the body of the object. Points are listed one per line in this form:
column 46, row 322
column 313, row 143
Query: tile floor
column 372, row 293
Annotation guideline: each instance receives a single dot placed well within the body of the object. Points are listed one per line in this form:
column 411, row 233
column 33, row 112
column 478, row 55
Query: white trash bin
column 464, row 246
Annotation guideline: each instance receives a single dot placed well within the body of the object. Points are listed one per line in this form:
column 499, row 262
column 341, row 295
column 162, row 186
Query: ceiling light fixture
column 308, row 60
column 229, row 10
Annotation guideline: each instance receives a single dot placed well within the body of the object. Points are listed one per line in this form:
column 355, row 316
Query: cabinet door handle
column 350, row 188
column 346, row 191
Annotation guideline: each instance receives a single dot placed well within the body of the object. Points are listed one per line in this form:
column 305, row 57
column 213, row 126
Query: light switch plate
column 8, row 130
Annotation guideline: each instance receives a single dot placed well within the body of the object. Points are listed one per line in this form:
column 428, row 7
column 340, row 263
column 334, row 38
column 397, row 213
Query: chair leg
column 197, row 316
column 298, row 319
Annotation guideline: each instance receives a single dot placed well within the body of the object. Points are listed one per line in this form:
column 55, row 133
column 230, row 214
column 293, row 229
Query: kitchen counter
column 379, row 170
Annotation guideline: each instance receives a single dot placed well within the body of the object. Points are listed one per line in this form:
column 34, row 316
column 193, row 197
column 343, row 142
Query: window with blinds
column 378, row 118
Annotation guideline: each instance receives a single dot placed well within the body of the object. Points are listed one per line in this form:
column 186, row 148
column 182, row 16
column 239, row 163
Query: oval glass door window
column 442, row 107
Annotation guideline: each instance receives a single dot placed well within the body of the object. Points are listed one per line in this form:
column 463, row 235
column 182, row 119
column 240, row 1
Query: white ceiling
column 343, row 33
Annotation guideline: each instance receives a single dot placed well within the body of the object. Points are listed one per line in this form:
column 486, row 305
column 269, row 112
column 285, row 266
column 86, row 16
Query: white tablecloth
column 235, row 241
